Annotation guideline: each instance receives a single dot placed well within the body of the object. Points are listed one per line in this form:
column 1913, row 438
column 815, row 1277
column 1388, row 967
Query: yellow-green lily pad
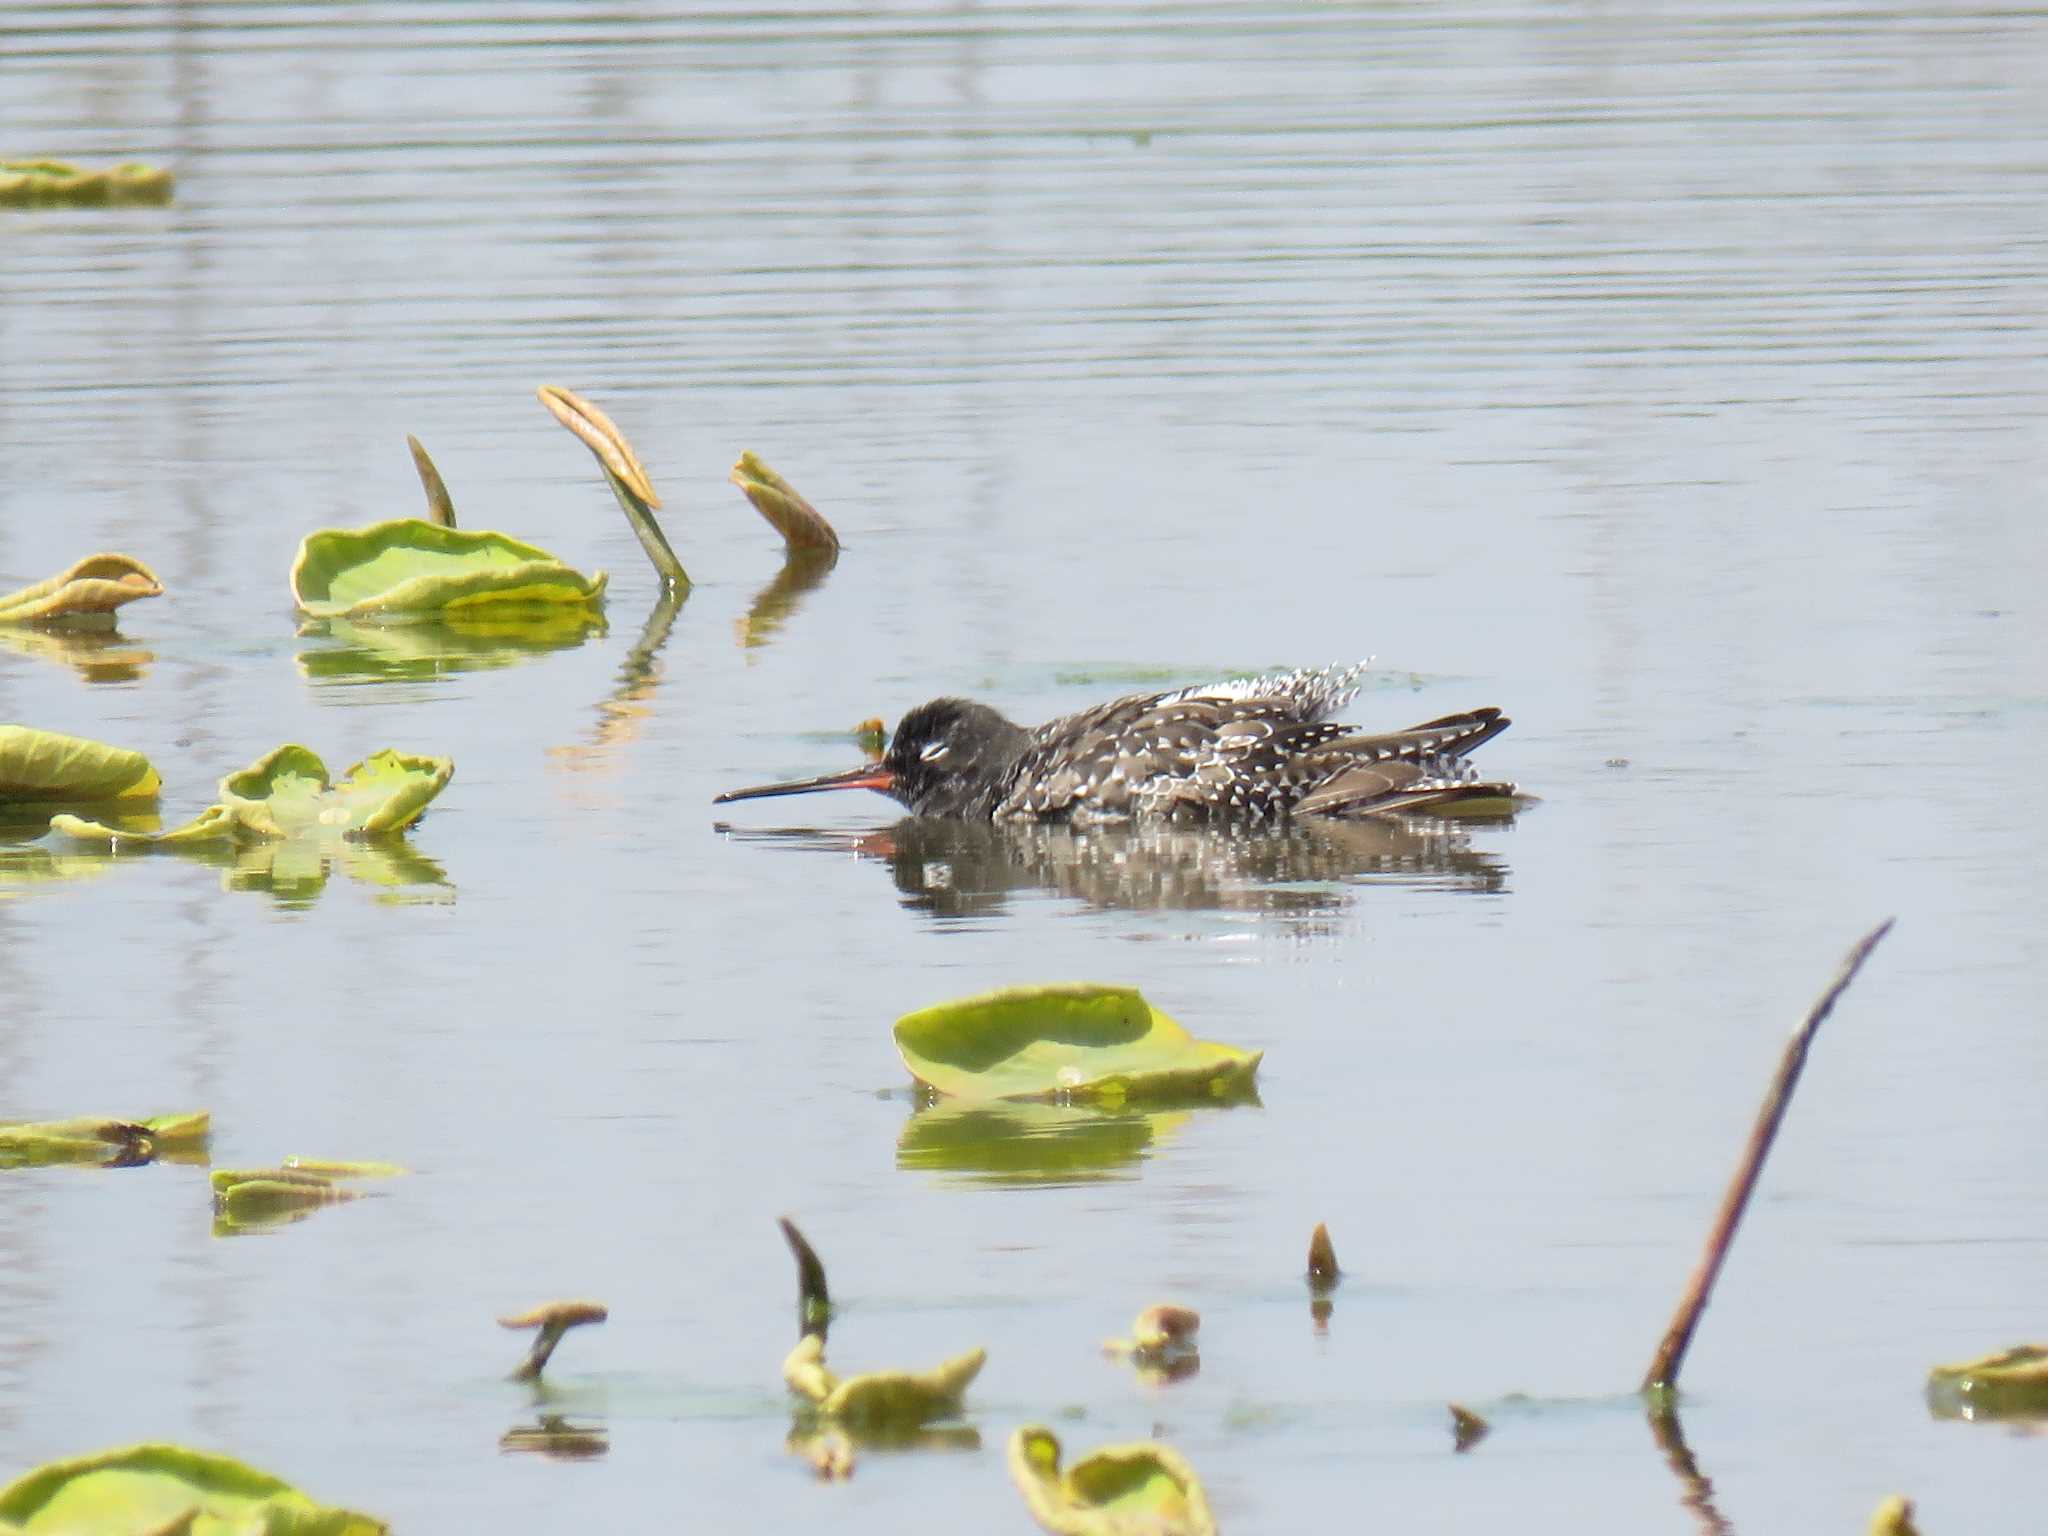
column 245, row 1199
column 2011, row 1384
column 880, row 1400
column 410, row 568
column 33, row 183
column 139, row 1489
column 287, row 793
column 1119, row 1490
column 47, row 767
column 94, row 1139
column 87, row 593
column 1074, row 1040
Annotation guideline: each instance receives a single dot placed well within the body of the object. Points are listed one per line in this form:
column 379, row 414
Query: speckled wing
column 1251, row 765
column 1230, row 753
column 1424, row 767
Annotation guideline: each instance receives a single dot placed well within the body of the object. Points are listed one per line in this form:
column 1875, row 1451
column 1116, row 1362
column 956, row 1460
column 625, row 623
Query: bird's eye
column 933, row 752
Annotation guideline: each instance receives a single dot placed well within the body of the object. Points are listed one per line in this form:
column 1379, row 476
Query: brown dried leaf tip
column 440, row 505
column 1467, row 1428
column 801, row 525
column 602, row 437
column 813, row 1300
column 1166, row 1327
column 1323, row 1273
column 1162, row 1343
column 553, row 1319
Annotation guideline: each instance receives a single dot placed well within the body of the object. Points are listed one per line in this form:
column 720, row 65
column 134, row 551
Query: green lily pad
column 87, row 593
column 880, row 1399
column 287, row 794
column 44, row 766
column 1074, row 1040
column 409, row 568
column 1119, row 1490
column 249, row 1199
column 90, row 1139
column 33, row 183
column 2011, row 1384
column 139, row 1489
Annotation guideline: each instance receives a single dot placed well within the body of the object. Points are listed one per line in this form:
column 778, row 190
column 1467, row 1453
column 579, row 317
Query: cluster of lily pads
column 395, row 577
column 1078, row 1043
column 1099, row 1051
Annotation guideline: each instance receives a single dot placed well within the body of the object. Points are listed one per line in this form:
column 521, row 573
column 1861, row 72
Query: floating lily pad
column 35, row 183
column 87, row 1139
column 1075, row 1040
column 1120, row 1490
column 141, row 1489
column 880, row 1399
column 46, row 767
column 249, row 1199
column 87, row 593
column 2011, row 1384
column 409, row 568
column 287, row 794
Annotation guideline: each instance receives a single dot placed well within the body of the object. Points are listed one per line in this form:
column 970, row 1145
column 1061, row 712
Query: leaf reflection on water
column 347, row 652
column 1024, row 1144
column 293, row 871
column 101, row 655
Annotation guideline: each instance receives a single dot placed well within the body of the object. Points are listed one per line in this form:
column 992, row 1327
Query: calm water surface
column 1673, row 377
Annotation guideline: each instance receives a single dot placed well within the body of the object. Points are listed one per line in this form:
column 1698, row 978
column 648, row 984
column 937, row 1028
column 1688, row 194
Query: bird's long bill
column 866, row 776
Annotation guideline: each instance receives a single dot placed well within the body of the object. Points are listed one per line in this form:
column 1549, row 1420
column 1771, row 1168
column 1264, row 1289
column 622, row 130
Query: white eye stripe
column 933, row 751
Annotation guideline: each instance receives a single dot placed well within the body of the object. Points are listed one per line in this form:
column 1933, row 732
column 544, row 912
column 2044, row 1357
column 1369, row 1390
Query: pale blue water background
column 1672, row 377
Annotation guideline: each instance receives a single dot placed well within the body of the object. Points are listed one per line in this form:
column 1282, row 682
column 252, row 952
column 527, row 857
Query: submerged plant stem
column 1662, row 1377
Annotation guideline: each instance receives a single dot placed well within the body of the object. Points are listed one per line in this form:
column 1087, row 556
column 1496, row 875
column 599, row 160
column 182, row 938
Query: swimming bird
column 1253, row 749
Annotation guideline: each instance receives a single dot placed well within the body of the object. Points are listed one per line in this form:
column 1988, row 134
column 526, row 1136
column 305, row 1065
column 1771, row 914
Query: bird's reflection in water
column 962, row 868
